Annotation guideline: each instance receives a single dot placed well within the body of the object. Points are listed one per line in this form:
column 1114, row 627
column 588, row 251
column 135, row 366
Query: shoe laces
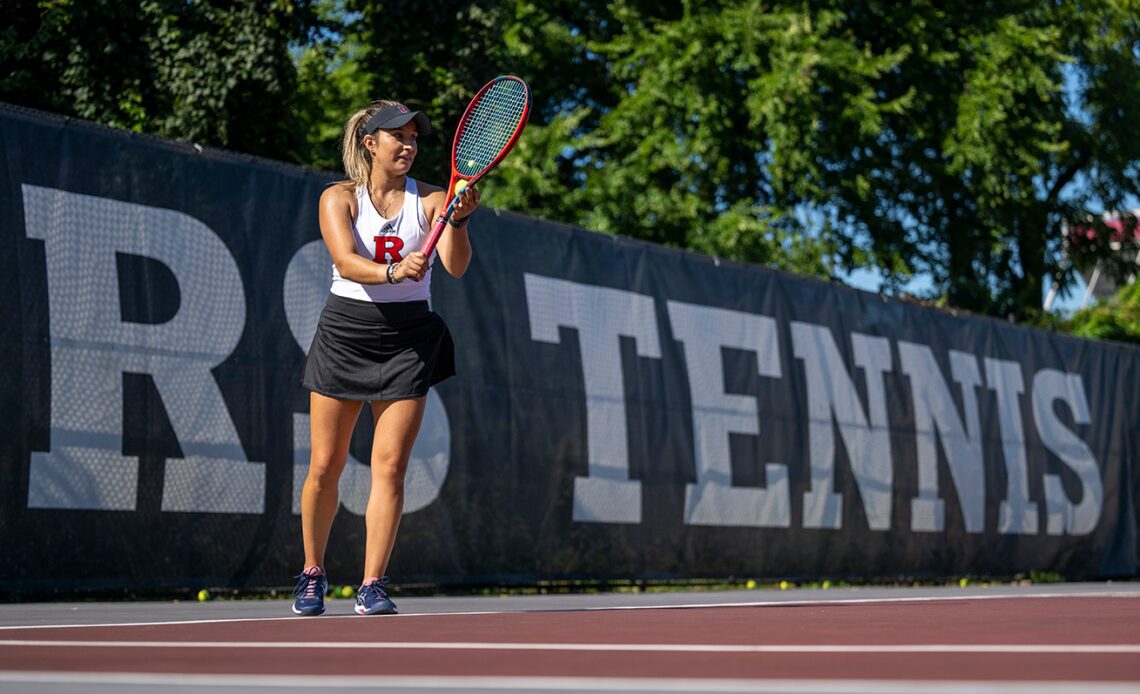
column 307, row 584
column 375, row 589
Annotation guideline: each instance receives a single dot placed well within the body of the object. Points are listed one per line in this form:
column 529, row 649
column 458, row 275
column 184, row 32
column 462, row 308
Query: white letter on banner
column 1050, row 385
column 1017, row 515
column 934, row 408
column 831, row 391
column 92, row 347
column 307, row 281
column 600, row 315
column 713, row 500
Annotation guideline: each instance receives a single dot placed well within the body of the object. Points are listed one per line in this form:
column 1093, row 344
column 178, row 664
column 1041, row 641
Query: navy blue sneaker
column 371, row 599
column 310, row 593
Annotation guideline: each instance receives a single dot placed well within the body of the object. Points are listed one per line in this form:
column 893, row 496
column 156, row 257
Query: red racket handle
column 437, row 228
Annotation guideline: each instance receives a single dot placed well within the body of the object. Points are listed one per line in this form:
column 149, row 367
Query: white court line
column 536, row 610
column 583, row 684
column 1066, row 648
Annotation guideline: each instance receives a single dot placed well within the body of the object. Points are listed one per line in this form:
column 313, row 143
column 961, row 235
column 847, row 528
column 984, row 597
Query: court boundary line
column 1002, row 648
column 617, row 608
column 631, row 684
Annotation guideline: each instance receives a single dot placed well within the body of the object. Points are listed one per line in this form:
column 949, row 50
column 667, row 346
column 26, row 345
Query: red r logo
column 388, row 249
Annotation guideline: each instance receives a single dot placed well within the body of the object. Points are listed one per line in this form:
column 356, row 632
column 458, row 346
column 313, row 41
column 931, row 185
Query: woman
column 376, row 340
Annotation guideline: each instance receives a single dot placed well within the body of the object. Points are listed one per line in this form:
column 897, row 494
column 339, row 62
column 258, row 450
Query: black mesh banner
column 621, row 410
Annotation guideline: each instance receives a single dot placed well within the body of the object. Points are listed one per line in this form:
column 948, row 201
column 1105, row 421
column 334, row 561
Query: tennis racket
column 489, row 129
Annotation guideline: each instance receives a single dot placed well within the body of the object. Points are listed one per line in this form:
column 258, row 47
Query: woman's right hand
column 413, row 267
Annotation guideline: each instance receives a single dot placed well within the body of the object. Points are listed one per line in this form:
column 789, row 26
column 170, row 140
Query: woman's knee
column 325, row 471
column 389, row 467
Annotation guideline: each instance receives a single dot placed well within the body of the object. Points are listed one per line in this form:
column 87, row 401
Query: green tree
column 434, row 55
column 1116, row 319
column 820, row 137
column 700, row 150
column 907, row 138
column 974, row 180
column 216, row 73
column 332, row 84
column 825, row 137
column 953, row 141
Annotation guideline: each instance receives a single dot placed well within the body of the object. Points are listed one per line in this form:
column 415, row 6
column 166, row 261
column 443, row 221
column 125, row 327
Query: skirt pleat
column 378, row 351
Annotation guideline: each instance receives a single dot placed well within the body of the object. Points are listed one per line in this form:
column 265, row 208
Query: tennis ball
column 459, row 186
column 751, row 584
column 963, row 582
column 203, row 595
column 783, row 585
column 347, row 592
column 826, row 585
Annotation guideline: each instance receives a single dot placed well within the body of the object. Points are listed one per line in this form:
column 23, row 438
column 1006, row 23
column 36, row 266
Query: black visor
column 391, row 117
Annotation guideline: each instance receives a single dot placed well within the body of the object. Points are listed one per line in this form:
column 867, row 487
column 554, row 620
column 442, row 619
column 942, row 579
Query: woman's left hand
column 468, row 201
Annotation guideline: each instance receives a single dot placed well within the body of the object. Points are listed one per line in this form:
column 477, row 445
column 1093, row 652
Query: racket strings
column 490, row 125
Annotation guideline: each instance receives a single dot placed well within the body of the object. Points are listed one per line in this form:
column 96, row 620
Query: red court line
column 1105, row 668
column 1088, row 621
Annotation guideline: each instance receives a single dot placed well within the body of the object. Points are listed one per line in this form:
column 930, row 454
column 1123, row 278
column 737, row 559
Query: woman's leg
column 330, row 424
column 397, row 424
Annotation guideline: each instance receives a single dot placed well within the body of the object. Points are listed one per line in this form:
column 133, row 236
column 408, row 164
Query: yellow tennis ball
column 347, row 592
column 459, row 186
column 751, row 584
column 203, row 595
column 783, row 585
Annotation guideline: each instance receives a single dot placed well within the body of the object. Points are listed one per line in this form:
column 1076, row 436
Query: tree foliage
column 1116, row 319
column 952, row 141
column 908, row 138
column 217, row 73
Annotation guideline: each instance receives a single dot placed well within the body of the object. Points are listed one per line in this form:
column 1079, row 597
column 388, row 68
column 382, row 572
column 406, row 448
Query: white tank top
column 387, row 241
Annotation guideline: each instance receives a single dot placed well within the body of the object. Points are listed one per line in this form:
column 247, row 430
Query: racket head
column 490, row 128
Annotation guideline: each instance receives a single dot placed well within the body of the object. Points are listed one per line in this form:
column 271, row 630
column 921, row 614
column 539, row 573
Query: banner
column 621, row 410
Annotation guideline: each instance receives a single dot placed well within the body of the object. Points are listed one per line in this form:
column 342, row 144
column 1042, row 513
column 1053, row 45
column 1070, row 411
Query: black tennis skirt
column 378, row 351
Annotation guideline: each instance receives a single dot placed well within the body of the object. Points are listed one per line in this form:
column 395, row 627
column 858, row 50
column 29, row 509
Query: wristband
column 392, row 274
column 459, row 223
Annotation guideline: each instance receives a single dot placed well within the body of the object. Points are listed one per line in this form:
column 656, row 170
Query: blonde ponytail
column 356, row 158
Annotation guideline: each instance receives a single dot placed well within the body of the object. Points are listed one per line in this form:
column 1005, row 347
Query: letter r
column 388, row 249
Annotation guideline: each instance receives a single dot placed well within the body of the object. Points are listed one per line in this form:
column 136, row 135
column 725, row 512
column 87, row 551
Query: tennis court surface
column 1042, row 638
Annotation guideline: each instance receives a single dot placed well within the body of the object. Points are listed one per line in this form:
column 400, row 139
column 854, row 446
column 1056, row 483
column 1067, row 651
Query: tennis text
column 836, row 416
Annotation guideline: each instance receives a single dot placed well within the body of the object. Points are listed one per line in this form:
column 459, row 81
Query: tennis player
column 377, row 340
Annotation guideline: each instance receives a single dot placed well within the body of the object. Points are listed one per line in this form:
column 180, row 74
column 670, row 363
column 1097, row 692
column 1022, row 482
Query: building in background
column 1099, row 281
